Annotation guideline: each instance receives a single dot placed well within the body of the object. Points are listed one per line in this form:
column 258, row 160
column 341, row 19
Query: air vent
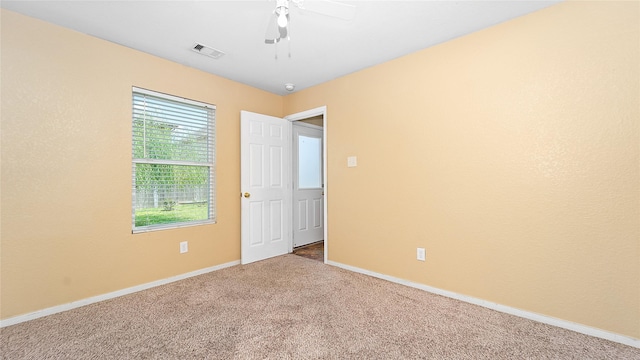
column 207, row 51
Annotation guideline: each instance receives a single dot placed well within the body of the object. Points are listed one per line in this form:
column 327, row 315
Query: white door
column 308, row 187
column 264, row 154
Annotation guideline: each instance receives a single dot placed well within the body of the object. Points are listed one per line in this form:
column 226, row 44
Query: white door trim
column 322, row 110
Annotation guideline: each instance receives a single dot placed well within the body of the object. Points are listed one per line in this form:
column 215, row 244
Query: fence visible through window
column 173, row 161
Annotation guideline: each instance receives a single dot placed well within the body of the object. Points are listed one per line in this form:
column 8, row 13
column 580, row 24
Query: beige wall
column 66, row 167
column 511, row 155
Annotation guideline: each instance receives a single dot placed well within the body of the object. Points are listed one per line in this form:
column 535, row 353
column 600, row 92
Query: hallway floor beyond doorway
column 313, row 251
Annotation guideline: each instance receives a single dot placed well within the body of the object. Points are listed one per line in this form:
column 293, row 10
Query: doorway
column 309, row 128
column 307, row 183
column 266, row 191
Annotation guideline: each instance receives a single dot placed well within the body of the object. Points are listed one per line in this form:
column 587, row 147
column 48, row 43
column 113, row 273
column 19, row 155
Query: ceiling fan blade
column 273, row 34
column 329, row 8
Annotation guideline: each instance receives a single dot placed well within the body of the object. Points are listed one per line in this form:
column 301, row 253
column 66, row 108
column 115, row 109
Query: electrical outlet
column 421, row 254
column 184, row 247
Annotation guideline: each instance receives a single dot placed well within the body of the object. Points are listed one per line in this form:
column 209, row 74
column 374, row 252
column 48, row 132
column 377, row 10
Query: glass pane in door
column 309, row 162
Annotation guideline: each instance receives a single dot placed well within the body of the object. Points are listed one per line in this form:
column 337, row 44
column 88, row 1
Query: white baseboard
column 76, row 304
column 583, row 329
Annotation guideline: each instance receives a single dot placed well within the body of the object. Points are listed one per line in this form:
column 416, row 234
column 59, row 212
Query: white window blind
column 173, row 161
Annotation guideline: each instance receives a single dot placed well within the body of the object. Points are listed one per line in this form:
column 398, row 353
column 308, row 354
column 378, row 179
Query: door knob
column 247, row 195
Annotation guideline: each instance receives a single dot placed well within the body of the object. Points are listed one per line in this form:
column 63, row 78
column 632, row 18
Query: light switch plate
column 352, row 161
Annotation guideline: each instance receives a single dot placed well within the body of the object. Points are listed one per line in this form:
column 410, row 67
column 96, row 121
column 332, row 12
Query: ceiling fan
column 278, row 28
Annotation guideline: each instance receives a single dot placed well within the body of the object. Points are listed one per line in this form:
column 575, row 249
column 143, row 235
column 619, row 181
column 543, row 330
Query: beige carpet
column 293, row 308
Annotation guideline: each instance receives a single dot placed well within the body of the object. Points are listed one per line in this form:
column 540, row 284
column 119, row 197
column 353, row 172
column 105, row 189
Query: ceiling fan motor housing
column 282, row 7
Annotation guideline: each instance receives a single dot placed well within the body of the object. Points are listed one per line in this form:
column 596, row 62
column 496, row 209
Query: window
column 173, row 161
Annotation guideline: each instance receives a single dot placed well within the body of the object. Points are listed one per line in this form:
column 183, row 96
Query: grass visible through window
column 178, row 213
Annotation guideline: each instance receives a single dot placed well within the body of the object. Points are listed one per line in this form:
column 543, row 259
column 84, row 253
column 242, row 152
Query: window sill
column 145, row 229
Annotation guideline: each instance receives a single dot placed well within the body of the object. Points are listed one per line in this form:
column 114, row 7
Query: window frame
column 211, row 155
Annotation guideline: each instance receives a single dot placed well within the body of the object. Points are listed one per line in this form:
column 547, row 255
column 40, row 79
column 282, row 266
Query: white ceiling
column 322, row 48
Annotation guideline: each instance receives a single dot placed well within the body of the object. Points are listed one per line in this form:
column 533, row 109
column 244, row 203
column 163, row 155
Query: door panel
column 265, row 148
column 277, row 163
column 302, row 214
column 308, row 215
column 277, row 220
column 256, row 229
column 317, row 213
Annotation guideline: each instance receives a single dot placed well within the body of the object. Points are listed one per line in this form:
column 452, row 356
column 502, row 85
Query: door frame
column 322, row 110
